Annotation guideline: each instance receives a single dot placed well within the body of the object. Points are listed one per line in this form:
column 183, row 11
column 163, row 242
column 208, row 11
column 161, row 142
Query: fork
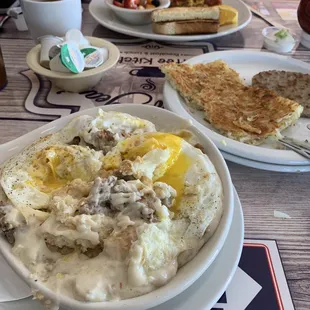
column 302, row 148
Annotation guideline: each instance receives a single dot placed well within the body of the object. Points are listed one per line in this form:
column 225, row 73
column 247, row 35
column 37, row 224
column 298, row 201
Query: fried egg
column 50, row 163
column 167, row 158
column 29, row 178
column 164, row 157
column 121, row 125
column 197, row 212
column 198, row 203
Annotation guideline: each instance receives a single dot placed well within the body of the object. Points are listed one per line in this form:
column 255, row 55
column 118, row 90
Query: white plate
column 104, row 16
column 247, row 63
column 206, row 291
column 186, row 276
column 265, row 166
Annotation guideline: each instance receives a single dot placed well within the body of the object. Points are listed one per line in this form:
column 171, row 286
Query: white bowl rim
column 163, row 4
column 32, row 60
column 157, row 297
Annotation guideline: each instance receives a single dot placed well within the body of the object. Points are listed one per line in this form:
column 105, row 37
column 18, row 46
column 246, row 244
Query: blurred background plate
column 104, row 16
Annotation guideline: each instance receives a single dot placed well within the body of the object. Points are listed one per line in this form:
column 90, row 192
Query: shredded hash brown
column 245, row 113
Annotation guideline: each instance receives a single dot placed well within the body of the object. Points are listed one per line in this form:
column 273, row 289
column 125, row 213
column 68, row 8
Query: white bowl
column 136, row 17
column 71, row 81
column 164, row 120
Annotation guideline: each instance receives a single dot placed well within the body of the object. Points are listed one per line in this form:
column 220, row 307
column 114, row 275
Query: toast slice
column 175, row 21
column 186, row 27
column 181, row 14
column 189, row 3
column 291, row 85
column 244, row 113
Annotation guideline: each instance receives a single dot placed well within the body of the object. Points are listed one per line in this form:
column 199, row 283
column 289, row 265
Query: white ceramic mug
column 52, row 17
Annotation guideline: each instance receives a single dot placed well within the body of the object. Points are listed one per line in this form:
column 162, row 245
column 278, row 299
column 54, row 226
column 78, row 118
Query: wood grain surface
column 261, row 192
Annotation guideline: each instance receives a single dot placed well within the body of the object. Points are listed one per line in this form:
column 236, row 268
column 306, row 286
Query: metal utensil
column 266, row 19
column 300, row 147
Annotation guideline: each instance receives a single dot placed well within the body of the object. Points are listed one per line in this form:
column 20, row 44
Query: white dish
column 104, row 16
column 247, row 63
column 264, row 166
column 186, row 276
column 206, row 291
column 270, row 42
column 136, row 17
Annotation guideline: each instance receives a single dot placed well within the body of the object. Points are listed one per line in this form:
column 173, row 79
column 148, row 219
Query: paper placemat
column 260, row 282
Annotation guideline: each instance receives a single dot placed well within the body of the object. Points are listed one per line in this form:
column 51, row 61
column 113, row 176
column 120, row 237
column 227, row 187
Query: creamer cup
column 92, row 56
column 57, row 65
column 72, row 58
column 105, row 53
column 75, row 36
column 46, row 43
column 54, row 51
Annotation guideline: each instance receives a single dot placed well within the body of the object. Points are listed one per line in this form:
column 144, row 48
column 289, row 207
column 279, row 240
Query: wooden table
column 261, row 192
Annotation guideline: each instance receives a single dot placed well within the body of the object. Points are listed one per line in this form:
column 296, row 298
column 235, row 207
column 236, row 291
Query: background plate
column 264, row 166
column 104, row 16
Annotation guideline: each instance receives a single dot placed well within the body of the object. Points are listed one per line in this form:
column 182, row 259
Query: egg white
column 15, row 178
column 122, row 125
column 29, row 181
column 168, row 158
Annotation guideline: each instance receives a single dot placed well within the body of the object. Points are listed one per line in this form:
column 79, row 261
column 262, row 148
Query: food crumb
column 281, row 215
column 59, row 275
column 223, row 142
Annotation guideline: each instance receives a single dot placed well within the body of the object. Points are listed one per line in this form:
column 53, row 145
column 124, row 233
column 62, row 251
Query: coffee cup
column 51, row 17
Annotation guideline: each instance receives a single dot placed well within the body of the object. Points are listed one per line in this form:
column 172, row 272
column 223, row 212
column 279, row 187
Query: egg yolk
column 175, row 177
column 173, row 171
column 54, row 167
column 140, row 145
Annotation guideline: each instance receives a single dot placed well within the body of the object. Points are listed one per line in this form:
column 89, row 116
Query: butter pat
column 228, row 15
